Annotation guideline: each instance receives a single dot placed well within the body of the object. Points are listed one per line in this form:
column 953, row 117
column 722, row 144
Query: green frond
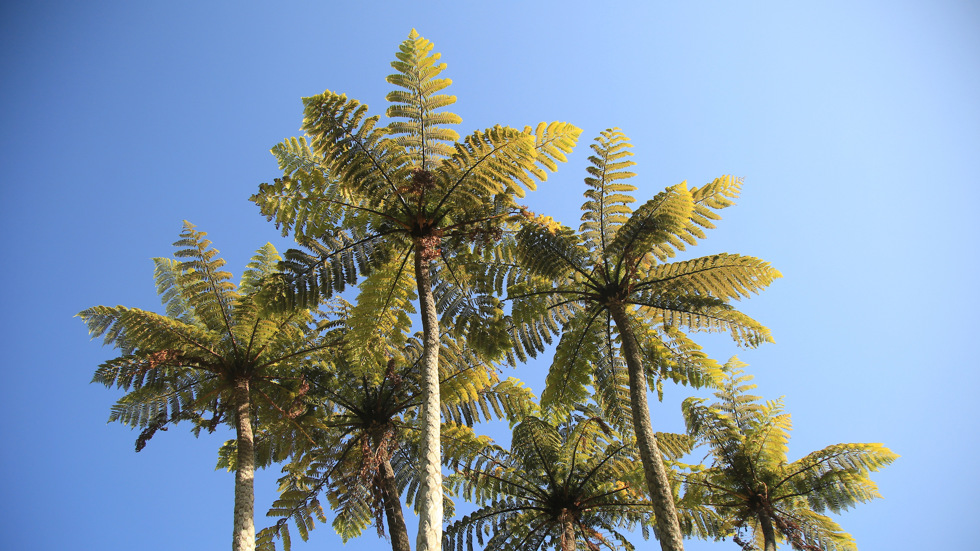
column 132, row 329
column 836, row 477
column 476, row 395
column 499, row 160
column 669, row 354
column 571, row 370
column 167, row 396
column 610, row 381
column 607, row 200
column 553, row 141
column 821, row 531
column 166, row 272
column 352, row 149
column 264, row 263
column 652, row 225
column 700, row 313
column 206, row 287
column 724, row 276
column 468, row 311
column 705, row 200
column 717, row 195
column 419, row 125
column 379, row 321
column 674, row 446
column 334, row 261
column 555, row 257
column 306, row 198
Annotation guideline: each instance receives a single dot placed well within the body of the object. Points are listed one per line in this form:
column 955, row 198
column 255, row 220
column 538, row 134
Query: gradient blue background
column 855, row 125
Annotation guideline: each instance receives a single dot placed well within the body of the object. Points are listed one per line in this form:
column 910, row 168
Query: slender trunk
column 430, row 500
column 243, row 538
column 658, row 485
column 568, row 531
column 768, row 534
column 393, row 508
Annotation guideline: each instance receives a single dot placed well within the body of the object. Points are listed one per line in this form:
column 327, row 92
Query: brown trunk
column 393, row 508
column 768, row 534
column 568, row 531
column 243, row 538
column 658, row 485
column 430, row 494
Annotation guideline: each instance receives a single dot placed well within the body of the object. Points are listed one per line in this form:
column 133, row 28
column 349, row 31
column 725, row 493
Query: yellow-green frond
column 419, row 126
column 306, row 198
column 724, row 276
column 204, row 284
column 608, row 195
column 553, row 141
column 655, row 222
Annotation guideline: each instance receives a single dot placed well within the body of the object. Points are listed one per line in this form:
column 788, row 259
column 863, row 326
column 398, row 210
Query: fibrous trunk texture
column 568, row 531
column 393, row 509
column 658, row 485
column 430, row 510
column 243, row 538
column 768, row 534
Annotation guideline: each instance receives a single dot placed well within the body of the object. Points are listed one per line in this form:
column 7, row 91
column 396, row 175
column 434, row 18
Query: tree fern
column 216, row 356
column 411, row 193
column 753, row 486
column 557, row 487
column 619, row 299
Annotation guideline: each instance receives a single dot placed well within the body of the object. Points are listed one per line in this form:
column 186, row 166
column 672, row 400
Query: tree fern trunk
column 393, row 509
column 243, row 538
column 658, row 485
column 430, row 499
column 768, row 534
column 568, row 531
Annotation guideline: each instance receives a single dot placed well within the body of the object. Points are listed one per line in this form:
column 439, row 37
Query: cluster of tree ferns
column 365, row 415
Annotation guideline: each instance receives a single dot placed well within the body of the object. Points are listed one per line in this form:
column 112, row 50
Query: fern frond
column 264, row 263
column 488, row 163
column 206, row 287
column 554, row 256
column 701, row 313
column 552, row 141
column 166, row 272
column 836, row 477
column 607, row 199
column 354, row 151
column 306, row 199
column 379, row 320
column 814, row 529
column 652, row 224
column 571, row 369
column 724, row 276
column 132, row 329
column 422, row 131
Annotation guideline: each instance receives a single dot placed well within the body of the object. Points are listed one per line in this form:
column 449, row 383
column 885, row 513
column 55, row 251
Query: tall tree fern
column 215, row 356
column 625, row 309
column 752, row 484
column 410, row 206
column 568, row 487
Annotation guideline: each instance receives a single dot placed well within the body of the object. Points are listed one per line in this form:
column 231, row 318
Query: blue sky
column 856, row 126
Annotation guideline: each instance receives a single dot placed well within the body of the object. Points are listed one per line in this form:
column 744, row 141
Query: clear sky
column 856, row 126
